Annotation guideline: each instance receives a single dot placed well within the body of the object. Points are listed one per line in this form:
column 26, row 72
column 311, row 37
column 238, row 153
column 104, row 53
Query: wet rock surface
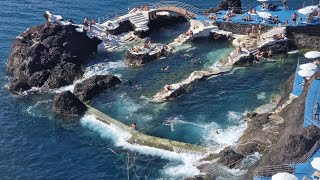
column 229, row 157
column 124, row 26
column 220, row 37
column 93, row 86
column 140, row 58
column 278, row 47
column 67, row 104
column 237, row 28
column 48, row 56
column 244, row 60
column 225, row 4
column 304, row 35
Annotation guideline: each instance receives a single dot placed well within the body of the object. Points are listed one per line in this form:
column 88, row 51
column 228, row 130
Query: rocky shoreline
column 48, row 56
column 51, row 55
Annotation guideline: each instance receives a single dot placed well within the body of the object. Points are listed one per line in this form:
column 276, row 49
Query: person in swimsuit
column 284, row 2
column 134, row 126
column 294, row 18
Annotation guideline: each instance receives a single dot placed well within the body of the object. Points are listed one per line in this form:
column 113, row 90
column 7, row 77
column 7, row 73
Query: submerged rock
column 87, row 89
column 48, row 56
column 67, row 104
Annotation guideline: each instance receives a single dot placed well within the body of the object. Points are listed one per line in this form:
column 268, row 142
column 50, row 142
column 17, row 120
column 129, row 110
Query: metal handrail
column 307, row 156
column 156, row 5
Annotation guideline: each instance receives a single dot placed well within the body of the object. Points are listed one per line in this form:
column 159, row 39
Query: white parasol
column 312, row 54
column 284, row 176
column 264, row 15
column 306, row 73
column 316, row 163
column 308, row 66
column 308, row 10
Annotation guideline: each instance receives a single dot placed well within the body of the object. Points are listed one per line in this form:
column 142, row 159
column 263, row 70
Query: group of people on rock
column 189, row 33
column 278, row 36
column 248, row 18
column 135, row 49
column 270, row 7
column 212, row 16
column 88, row 23
column 252, row 11
column 229, row 14
column 261, row 54
column 144, row 8
column 254, row 31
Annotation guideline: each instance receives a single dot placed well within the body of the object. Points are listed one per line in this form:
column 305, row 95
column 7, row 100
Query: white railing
column 152, row 5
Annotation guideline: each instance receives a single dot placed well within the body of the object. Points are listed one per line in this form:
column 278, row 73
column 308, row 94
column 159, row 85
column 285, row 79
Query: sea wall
column 305, row 37
column 237, row 28
column 146, row 140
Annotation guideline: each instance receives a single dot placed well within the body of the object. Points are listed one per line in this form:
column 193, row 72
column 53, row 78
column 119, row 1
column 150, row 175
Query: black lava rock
column 48, row 56
column 67, row 104
column 87, row 89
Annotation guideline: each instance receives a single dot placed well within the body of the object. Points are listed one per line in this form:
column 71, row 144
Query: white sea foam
column 224, row 137
column 103, row 69
column 187, row 161
column 96, row 69
column 250, row 160
column 261, row 96
column 293, row 52
column 35, row 109
column 179, row 171
column 235, row 116
column 182, row 47
column 218, row 138
column 265, row 108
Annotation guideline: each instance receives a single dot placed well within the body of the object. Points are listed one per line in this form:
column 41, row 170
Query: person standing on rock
column 316, row 110
column 284, row 2
column 86, row 21
column 294, row 18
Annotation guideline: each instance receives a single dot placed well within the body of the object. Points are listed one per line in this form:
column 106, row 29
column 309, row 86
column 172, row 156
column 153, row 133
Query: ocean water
column 35, row 144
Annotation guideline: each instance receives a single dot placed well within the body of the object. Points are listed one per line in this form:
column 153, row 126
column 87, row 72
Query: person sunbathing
column 214, row 17
column 249, row 18
column 259, row 56
column 254, row 11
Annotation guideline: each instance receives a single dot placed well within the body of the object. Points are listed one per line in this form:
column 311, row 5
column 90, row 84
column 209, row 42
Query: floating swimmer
column 169, row 122
column 165, row 68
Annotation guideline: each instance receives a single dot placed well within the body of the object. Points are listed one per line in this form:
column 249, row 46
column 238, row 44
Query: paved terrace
column 283, row 15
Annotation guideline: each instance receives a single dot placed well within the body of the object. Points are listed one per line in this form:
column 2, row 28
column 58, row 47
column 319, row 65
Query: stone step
column 139, row 19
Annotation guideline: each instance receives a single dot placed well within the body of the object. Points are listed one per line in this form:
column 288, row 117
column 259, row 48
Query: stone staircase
column 249, row 42
column 140, row 22
column 206, row 23
column 253, row 51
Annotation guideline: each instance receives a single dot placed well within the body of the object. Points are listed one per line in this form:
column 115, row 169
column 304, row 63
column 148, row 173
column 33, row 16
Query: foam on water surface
column 119, row 137
column 218, row 138
column 96, row 69
column 261, row 96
